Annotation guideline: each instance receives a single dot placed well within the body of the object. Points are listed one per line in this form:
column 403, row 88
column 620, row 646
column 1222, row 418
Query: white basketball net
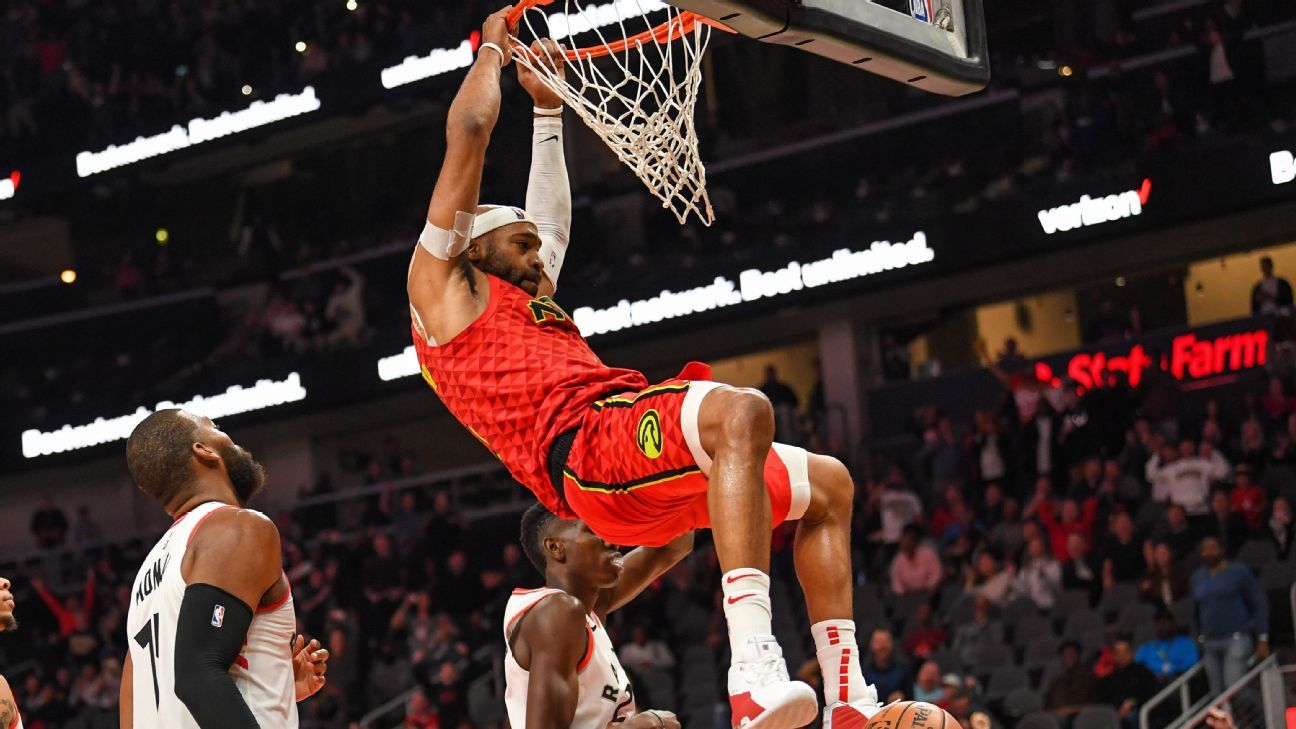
column 639, row 100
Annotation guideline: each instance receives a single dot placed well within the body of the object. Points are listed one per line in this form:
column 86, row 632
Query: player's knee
column 832, row 490
column 749, row 418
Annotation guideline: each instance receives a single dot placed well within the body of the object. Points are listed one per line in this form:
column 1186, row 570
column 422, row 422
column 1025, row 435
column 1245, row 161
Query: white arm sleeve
column 548, row 198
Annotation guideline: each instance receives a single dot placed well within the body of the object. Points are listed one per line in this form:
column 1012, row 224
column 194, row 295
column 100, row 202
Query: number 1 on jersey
column 148, row 640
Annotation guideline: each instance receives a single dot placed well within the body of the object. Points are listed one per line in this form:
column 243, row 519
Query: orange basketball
column 912, row 715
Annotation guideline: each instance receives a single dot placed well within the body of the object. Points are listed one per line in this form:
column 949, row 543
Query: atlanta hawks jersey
column 517, row 377
column 263, row 670
column 604, row 697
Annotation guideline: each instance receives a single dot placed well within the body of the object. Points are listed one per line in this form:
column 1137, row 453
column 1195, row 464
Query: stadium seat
column 484, row 707
column 1050, row 672
column 986, row 658
column 1081, row 622
column 1022, row 702
column 1070, row 601
column 946, row 660
column 1185, row 611
column 868, row 606
column 963, row 610
column 1096, row 716
column 1143, row 633
column 950, row 594
column 1277, row 576
column 1040, row 651
column 1004, row 680
column 1091, row 642
column 1257, row 553
column 1018, row 610
column 1038, row 720
column 1117, row 597
column 1135, row 615
column 1031, row 630
column 905, row 605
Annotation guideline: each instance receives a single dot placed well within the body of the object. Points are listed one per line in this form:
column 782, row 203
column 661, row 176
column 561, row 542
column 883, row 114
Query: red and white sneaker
column 762, row 695
column 841, row 715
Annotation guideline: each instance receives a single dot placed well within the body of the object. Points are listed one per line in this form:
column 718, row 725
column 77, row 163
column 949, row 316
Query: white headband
column 497, row 217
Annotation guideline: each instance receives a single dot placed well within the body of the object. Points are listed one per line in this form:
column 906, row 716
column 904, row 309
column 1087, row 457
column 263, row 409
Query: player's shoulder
column 237, row 527
column 5, row 691
column 555, row 614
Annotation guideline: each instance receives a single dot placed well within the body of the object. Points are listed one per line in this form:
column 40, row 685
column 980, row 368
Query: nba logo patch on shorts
column 218, row 616
column 921, row 10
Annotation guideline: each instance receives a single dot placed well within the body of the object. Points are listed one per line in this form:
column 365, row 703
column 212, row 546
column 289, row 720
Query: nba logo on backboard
column 218, row 616
column 921, row 10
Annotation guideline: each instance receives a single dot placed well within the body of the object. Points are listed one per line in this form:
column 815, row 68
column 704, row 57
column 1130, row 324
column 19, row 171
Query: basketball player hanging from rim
column 640, row 464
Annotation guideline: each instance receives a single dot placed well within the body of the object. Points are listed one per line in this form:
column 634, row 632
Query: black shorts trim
column 625, row 402
column 627, row 486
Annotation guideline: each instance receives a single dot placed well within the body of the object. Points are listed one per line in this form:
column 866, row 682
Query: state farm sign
column 1090, row 211
column 1189, row 357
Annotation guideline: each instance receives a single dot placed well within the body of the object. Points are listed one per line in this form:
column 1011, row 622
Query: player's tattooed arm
column 549, row 643
column 640, row 568
column 8, row 709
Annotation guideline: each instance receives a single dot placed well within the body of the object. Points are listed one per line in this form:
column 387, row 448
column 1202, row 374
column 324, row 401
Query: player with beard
column 640, row 464
column 9, row 718
column 211, row 623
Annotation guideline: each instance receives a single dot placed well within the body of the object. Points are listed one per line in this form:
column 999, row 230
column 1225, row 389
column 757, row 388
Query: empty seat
column 1005, row 679
column 1116, row 597
column 1097, row 716
column 1030, row 630
column 984, row 659
column 1021, row 702
column 1081, row 622
column 1185, row 613
column 1051, row 671
column 1041, row 651
column 1038, row 720
column 905, row 605
column 1018, row 610
column 1278, row 576
column 1070, row 601
column 1257, row 553
column 962, row 611
column 1134, row 615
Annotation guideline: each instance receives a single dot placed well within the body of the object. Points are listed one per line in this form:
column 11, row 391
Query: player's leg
column 823, row 564
column 735, row 429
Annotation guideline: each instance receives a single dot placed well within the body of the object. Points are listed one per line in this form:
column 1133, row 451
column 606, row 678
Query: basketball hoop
column 637, row 89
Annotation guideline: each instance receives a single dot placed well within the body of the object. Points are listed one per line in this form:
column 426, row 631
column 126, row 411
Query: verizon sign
column 1282, row 165
column 1091, row 211
column 1190, row 357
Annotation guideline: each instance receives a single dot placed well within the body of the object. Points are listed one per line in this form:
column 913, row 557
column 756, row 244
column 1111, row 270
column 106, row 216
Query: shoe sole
column 792, row 715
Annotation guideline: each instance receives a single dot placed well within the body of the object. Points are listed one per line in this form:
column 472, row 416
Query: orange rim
column 668, row 32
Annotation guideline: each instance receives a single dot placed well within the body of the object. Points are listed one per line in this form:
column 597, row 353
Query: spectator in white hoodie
column 1182, row 477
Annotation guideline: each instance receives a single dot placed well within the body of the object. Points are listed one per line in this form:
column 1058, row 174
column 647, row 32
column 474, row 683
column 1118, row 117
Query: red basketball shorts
column 637, row 474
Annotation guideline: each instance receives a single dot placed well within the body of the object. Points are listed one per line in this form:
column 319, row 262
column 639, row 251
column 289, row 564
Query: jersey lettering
column 610, row 693
column 152, row 578
column 546, row 311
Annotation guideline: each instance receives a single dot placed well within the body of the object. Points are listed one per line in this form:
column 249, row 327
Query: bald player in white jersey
column 560, row 668
column 211, row 623
column 9, row 717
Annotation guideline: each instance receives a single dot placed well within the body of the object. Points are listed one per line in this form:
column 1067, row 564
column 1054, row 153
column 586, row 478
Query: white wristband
column 493, row 47
column 541, row 111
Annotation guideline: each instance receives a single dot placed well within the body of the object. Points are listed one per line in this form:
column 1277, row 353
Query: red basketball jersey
column 517, row 377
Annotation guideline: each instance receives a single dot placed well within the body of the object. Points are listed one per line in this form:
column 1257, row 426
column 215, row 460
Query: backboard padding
column 868, row 36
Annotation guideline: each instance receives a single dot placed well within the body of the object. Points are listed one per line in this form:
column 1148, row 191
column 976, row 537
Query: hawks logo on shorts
column 649, row 434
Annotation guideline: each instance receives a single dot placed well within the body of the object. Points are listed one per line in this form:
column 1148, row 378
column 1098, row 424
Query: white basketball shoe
column 762, row 695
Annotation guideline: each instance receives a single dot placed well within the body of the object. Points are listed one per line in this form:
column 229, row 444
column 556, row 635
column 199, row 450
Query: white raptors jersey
column 263, row 671
column 604, row 696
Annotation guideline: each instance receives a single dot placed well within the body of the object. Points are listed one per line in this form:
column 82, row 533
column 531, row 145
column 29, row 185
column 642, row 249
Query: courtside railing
column 1256, row 700
column 1181, row 690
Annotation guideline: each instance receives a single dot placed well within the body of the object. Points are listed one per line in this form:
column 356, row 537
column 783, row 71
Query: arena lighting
column 9, row 185
column 236, row 399
column 68, row 276
column 247, row 90
column 1282, row 165
column 300, row 46
column 352, row 5
column 445, row 60
column 753, row 284
column 1095, row 211
column 162, row 236
column 258, row 114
